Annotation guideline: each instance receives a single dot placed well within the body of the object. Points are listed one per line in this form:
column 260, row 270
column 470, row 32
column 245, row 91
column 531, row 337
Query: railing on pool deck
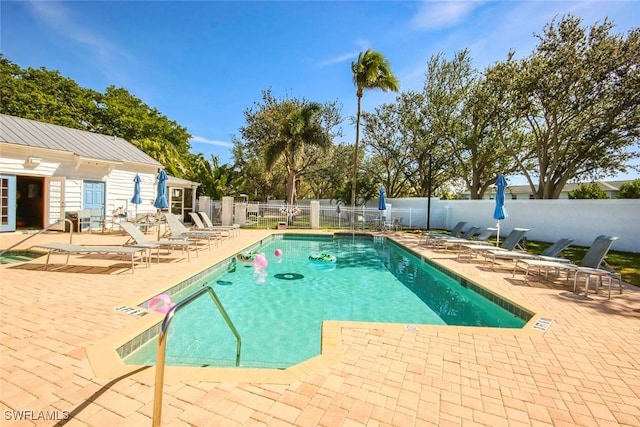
column 42, row 231
column 162, row 344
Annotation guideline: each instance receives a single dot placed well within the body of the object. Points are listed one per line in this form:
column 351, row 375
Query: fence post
column 314, row 214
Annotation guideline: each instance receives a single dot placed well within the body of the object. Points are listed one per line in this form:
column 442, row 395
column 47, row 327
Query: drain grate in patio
column 542, row 324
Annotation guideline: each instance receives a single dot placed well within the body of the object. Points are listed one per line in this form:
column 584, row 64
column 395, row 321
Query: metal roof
column 172, row 181
column 89, row 145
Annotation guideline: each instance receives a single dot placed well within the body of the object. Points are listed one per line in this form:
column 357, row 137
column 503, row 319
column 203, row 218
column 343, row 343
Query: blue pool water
column 279, row 314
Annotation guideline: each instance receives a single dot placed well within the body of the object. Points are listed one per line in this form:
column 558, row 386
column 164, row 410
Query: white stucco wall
column 547, row 220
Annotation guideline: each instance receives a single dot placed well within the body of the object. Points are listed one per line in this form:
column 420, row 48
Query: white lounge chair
column 209, row 224
column 199, row 225
column 180, row 232
column 141, row 241
column 70, row 249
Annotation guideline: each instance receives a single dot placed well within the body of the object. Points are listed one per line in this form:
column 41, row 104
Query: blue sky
column 204, row 63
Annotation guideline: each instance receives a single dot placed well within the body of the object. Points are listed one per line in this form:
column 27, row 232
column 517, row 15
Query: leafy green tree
column 124, row 115
column 297, row 125
column 289, row 132
column 425, row 161
column 629, row 190
column 216, row 180
column 46, row 96
column 371, row 71
column 461, row 108
column 252, row 178
column 388, row 147
column 588, row 191
column 578, row 95
column 330, row 175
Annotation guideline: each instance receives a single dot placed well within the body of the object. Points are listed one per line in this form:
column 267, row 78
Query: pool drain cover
column 289, row 276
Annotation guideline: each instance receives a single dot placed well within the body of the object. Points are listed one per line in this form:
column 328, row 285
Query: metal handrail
column 162, row 345
column 42, row 231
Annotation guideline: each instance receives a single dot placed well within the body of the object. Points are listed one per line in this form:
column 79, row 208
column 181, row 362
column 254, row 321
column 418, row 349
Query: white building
column 48, row 171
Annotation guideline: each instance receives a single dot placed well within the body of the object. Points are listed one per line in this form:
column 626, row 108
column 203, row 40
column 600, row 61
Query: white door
column 55, row 196
column 7, row 202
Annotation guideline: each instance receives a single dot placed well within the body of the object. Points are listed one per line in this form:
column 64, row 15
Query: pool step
column 10, row 259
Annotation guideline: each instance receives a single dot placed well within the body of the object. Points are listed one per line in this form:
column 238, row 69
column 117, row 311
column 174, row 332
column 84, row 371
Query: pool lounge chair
column 70, row 249
column 141, row 241
column 443, row 241
column 179, row 232
column 549, row 254
column 477, row 239
column 509, row 244
column 455, row 232
column 199, row 225
column 591, row 265
column 209, row 224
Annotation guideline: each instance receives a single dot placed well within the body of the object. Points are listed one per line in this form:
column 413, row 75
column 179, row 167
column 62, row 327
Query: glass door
column 7, row 203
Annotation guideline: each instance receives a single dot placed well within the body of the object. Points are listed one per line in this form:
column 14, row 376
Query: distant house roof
column 571, row 186
column 89, row 145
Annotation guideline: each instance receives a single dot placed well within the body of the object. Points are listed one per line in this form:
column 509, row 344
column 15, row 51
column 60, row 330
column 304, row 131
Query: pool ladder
column 162, row 344
column 42, row 231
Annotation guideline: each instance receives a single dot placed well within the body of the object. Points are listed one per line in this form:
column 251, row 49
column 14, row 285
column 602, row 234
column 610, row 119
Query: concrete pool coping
column 106, row 361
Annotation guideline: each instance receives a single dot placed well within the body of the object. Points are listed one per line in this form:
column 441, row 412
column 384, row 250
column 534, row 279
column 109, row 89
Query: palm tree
column 298, row 126
column 371, row 71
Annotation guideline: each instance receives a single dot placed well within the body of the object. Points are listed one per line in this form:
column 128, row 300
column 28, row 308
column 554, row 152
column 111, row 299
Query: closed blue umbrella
column 500, row 212
column 382, row 206
column 136, row 199
column 161, row 199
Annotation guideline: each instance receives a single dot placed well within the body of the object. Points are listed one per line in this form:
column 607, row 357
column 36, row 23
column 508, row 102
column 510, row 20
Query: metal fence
column 272, row 216
column 581, row 220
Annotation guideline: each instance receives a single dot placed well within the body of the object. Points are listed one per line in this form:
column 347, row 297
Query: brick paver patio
column 584, row 370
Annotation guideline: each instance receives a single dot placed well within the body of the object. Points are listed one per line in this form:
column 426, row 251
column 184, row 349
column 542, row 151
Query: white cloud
column 433, row 15
column 61, row 20
column 362, row 45
column 201, row 140
column 338, row 59
column 87, row 43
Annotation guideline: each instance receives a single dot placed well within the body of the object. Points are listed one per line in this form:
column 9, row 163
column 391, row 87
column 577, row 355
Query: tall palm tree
column 298, row 126
column 371, row 71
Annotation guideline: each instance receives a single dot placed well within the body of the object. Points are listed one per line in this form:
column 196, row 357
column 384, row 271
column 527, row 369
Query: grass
column 625, row 263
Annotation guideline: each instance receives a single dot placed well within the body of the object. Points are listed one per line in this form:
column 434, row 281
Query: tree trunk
column 291, row 187
column 354, row 176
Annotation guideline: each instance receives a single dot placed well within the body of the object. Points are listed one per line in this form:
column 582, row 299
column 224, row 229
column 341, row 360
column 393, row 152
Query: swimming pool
column 14, row 256
column 279, row 315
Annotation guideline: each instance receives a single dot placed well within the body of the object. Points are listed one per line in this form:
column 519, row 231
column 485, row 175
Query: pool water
column 14, row 256
column 278, row 312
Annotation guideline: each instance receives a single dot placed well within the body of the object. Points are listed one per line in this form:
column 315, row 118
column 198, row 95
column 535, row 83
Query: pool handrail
column 2, row 252
column 162, row 345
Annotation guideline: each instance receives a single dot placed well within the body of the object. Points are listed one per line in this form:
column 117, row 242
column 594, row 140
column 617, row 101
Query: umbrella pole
column 498, row 236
